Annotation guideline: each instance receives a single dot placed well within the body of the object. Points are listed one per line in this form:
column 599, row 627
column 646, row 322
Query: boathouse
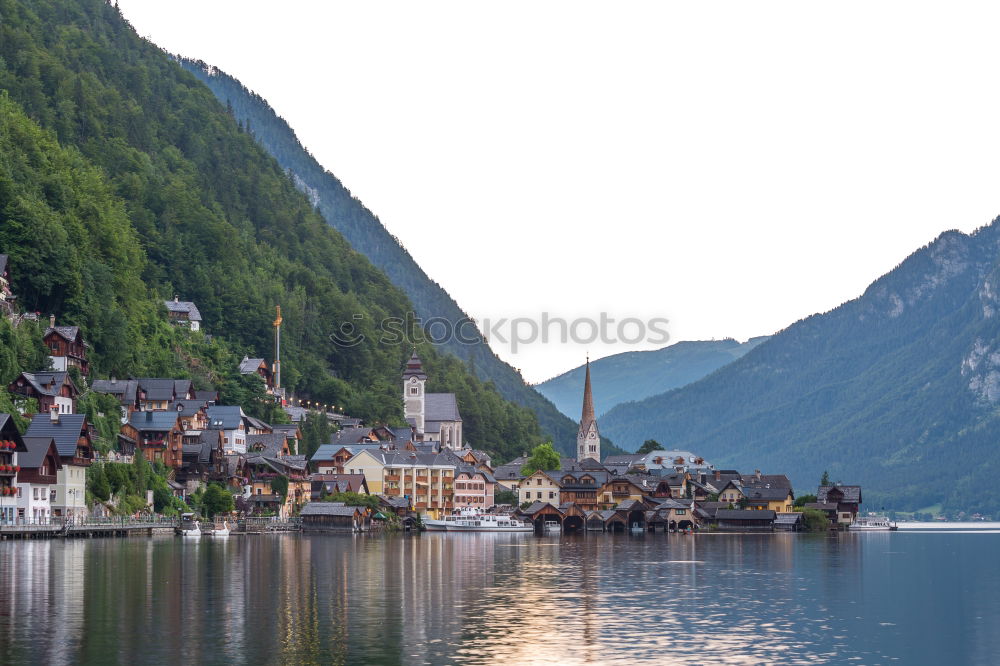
column 333, row 517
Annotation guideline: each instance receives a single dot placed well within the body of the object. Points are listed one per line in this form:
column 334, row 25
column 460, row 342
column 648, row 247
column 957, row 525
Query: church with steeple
column 433, row 416
column 588, row 438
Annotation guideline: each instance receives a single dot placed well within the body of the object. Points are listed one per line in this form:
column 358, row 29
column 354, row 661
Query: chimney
column 718, row 475
column 54, row 414
column 52, row 321
column 756, row 473
column 113, row 380
column 175, row 298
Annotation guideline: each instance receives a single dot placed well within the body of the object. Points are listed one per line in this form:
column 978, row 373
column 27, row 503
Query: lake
column 915, row 596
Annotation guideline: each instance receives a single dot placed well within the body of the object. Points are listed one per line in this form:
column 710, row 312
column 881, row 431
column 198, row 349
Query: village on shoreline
column 178, row 450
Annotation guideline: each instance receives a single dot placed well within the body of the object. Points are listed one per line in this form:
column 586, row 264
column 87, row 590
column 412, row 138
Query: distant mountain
column 366, row 234
column 898, row 390
column 632, row 376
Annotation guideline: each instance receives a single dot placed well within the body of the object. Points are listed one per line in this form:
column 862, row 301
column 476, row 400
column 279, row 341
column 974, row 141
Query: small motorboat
column 552, row 527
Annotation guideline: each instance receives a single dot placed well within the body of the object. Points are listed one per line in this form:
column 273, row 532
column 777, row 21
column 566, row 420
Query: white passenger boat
column 472, row 521
column 871, row 524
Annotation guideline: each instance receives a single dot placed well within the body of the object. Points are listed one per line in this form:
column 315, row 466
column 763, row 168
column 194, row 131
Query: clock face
column 592, row 435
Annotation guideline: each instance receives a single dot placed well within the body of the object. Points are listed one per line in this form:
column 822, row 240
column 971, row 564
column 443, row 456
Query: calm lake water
column 909, row 597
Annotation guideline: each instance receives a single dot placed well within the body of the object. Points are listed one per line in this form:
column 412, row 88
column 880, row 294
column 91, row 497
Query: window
column 414, row 390
column 552, row 495
column 679, row 512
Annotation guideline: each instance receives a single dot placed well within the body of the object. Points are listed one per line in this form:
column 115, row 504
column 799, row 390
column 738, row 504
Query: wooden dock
column 88, row 528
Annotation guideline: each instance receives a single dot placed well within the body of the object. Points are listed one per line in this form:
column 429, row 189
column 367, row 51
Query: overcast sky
column 729, row 166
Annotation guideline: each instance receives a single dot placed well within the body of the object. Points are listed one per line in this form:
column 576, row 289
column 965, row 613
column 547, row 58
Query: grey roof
column 326, row 451
column 207, row 396
column 37, row 448
column 538, row 506
column 766, row 494
column 269, row 445
column 184, row 307
column 787, row 518
column 743, row 514
column 852, row 494
column 157, row 389
column 600, row 477
column 822, row 506
column 153, row 421
column 181, row 388
column 224, row 417
column 250, row 365
column 186, row 407
column 66, row 432
column 328, row 509
column 289, row 430
column 69, row 333
column 125, row 389
column 508, row 471
column 347, row 436
column 47, row 383
column 772, row 480
column 254, row 422
column 626, row 459
column 441, row 407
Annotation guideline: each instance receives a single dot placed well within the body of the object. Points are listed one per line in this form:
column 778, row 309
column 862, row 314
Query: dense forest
column 898, row 390
column 367, row 235
column 123, row 182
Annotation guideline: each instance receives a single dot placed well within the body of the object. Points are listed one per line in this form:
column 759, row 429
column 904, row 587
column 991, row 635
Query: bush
column 815, row 520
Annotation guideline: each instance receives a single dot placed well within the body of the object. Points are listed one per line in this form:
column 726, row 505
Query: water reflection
column 484, row 598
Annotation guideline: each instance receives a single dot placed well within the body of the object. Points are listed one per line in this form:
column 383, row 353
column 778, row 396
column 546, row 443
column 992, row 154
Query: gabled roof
column 186, row 407
column 47, row 383
column 772, row 480
column 157, row 389
column 766, row 494
column 787, row 518
column 289, row 430
column 329, row 509
column 153, row 421
column 441, row 407
column 508, row 471
column 224, row 417
column 68, row 333
column 251, row 365
column 207, row 396
column 538, row 506
column 270, row 445
column 851, row 494
column 66, row 431
column 185, row 307
column 37, row 447
column 10, row 432
column 124, row 389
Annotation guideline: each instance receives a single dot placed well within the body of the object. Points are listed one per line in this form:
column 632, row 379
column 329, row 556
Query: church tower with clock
column 588, row 439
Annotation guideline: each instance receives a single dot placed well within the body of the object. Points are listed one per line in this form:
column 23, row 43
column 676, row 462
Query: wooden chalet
column 66, row 347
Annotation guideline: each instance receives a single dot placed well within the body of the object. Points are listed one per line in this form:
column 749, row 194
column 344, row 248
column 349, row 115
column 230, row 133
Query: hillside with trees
column 367, row 235
column 898, row 390
column 124, row 182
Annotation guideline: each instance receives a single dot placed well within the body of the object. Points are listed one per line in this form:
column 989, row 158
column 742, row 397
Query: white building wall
column 71, row 484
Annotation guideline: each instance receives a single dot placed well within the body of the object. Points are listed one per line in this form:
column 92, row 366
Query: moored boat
column 472, row 521
column 220, row 531
column 872, row 523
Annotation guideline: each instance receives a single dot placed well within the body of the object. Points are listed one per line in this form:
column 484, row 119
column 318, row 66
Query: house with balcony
column 157, row 436
column 581, row 487
column 618, row 489
column 425, row 479
column 71, row 434
column 259, row 367
column 52, row 390
column 263, row 468
column 230, row 420
column 779, row 500
column 67, row 348
column 474, row 488
column 37, row 480
column 11, row 447
column 846, row 499
column 183, row 313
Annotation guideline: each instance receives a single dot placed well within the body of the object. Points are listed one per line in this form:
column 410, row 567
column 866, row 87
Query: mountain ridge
column 636, row 375
column 876, row 390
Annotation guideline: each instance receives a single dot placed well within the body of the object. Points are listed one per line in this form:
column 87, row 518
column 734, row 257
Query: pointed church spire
column 588, row 400
column 588, row 438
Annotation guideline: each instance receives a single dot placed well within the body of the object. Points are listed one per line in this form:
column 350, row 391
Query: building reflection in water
column 486, row 598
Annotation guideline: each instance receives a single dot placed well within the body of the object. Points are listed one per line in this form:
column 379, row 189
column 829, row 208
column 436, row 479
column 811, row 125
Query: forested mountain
column 636, row 375
column 897, row 390
column 368, row 236
column 123, row 182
